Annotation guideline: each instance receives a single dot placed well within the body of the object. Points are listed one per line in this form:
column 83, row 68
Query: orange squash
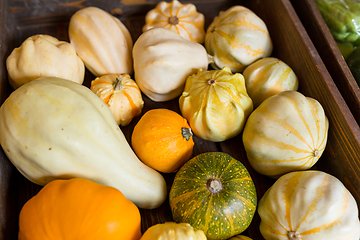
column 162, row 139
column 79, row 209
column 121, row 94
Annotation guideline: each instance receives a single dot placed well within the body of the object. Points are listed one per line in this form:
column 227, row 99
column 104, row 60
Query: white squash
column 44, row 56
column 308, row 205
column 52, row 128
column 162, row 62
column 102, row 41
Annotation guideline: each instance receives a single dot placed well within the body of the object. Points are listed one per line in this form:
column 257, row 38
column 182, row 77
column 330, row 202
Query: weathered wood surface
column 21, row 19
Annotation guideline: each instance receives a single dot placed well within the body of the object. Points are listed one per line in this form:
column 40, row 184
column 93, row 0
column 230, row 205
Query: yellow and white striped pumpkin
column 267, row 77
column 286, row 132
column 236, row 38
column 308, row 205
column 102, row 41
column 183, row 19
column 216, row 104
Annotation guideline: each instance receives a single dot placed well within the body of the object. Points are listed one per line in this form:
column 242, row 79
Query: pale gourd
column 53, row 128
column 173, row 231
column 162, row 62
column 286, row 132
column 267, row 77
column 102, row 41
column 309, row 205
column 216, row 104
column 183, row 19
column 236, row 38
column 44, row 56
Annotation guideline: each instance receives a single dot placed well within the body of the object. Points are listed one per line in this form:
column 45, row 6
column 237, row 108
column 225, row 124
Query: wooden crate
column 21, row 19
column 329, row 52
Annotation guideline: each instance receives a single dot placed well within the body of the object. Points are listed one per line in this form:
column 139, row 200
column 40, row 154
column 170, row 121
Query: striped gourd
column 236, row 38
column 102, row 41
column 309, row 205
column 286, row 132
column 215, row 193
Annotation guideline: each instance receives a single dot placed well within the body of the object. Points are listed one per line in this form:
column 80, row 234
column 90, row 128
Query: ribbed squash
column 287, row 132
column 267, row 77
column 52, row 128
column 173, row 231
column 121, row 94
column 215, row 193
column 163, row 140
column 309, row 205
column 79, row 209
column 183, row 19
column 216, row 104
column 102, row 41
column 236, row 38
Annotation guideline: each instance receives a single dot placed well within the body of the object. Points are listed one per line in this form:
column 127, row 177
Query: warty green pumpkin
column 215, row 193
column 53, row 128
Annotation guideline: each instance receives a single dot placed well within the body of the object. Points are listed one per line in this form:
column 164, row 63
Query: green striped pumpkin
column 286, row 132
column 214, row 192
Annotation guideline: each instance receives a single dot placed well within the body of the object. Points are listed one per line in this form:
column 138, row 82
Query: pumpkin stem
column 117, row 85
column 292, row 235
column 211, row 59
column 173, row 20
column 214, row 185
column 186, row 133
column 211, row 81
column 316, row 153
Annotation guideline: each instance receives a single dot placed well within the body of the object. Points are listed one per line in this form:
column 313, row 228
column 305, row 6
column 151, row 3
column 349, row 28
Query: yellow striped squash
column 308, row 205
column 216, row 104
column 286, row 132
column 236, row 38
column 102, row 41
column 268, row 76
column 183, row 19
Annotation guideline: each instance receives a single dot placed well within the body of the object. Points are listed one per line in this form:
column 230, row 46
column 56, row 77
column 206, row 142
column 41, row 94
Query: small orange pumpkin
column 79, row 209
column 121, row 94
column 162, row 139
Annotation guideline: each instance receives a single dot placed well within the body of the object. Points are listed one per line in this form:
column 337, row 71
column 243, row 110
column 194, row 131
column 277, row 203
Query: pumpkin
column 52, row 128
column 308, row 205
column 162, row 139
column 44, row 56
column 267, row 77
column 79, row 209
column 102, row 41
column 173, row 231
column 183, row 19
column 215, row 193
column 216, row 104
column 287, row 132
column 236, row 38
column 240, row 237
column 162, row 62
column 121, row 94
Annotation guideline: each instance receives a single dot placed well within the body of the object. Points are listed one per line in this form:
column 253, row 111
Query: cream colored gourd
column 102, row 41
column 183, row 19
column 236, row 38
column 52, row 128
column 267, row 77
column 286, row 132
column 308, row 205
column 173, row 231
column 121, row 94
column 216, row 104
column 44, row 56
column 162, row 62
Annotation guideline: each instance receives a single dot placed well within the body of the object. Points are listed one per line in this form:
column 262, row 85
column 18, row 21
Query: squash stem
column 117, row 85
column 292, row 235
column 214, row 185
column 174, row 20
column 186, row 133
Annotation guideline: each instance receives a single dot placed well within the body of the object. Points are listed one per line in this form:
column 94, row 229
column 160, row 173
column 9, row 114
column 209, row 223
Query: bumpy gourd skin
column 53, row 128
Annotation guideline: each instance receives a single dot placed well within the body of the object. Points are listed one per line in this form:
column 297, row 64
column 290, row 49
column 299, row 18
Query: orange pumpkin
column 121, row 94
column 162, row 139
column 79, row 209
